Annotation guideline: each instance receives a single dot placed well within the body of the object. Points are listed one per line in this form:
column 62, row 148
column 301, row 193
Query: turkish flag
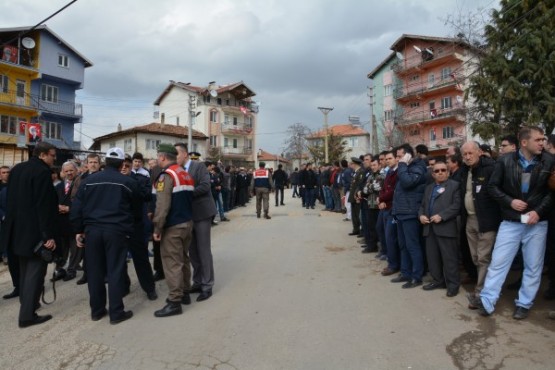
column 34, row 133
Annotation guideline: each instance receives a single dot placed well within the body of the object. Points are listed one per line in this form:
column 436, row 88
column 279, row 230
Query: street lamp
column 325, row 111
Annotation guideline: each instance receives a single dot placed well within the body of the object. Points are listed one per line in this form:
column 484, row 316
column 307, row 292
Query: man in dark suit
column 31, row 220
column 204, row 209
column 438, row 213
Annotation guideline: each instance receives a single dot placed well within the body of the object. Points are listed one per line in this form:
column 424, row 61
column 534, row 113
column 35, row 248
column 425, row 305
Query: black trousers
column 372, row 220
column 138, row 247
column 200, row 253
column 157, row 260
column 105, row 256
column 443, row 260
column 32, row 271
column 279, row 190
column 355, row 216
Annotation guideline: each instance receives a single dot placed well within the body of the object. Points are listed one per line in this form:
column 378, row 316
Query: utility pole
column 371, row 102
column 325, row 111
column 192, row 115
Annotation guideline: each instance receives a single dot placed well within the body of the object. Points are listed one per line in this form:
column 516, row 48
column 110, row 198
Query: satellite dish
column 213, row 93
column 28, row 43
column 417, row 48
column 399, row 56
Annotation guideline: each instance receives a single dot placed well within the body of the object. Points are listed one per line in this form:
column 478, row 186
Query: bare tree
column 295, row 144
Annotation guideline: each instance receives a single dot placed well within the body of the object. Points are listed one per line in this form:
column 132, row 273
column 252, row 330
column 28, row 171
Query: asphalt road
column 293, row 292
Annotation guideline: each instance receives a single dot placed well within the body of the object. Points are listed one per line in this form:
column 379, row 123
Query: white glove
column 376, row 186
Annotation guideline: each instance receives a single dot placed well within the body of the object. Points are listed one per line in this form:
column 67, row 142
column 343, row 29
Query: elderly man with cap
column 262, row 184
column 173, row 227
column 103, row 215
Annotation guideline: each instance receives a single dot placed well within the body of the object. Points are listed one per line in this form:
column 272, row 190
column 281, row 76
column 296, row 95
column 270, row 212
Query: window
column 226, row 119
column 445, row 73
column 213, row 141
column 219, row 101
column 234, row 121
column 248, row 143
column 151, row 144
column 248, row 122
column 213, row 116
column 52, row 130
column 414, row 132
column 63, row 60
column 431, row 80
column 415, row 77
column 235, row 143
column 388, row 115
column 163, row 118
column 127, row 145
column 448, row 132
column 3, row 83
column 414, row 104
column 446, row 103
column 226, row 142
column 8, row 124
column 388, row 90
column 49, row 93
column 353, row 141
column 433, row 134
column 112, row 144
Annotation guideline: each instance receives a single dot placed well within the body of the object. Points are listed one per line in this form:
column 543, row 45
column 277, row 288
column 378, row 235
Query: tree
column 337, row 148
column 514, row 83
column 296, row 144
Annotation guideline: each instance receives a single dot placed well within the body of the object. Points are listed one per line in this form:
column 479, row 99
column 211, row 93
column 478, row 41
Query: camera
column 44, row 253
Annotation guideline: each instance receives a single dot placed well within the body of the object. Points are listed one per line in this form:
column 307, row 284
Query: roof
column 239, row 89
column 44, row 27
column 343, row 130
column 398, row 47
column 266, row 156
column 381, row 65
column 151, row 128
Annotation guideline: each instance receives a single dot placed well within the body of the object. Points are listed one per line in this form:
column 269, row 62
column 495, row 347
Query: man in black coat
column 280, row 178
column 31, row 221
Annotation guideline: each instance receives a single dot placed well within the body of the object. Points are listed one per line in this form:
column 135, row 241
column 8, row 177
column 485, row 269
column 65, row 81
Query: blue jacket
column 347, row 178
column 409, row 190
column 106, row 199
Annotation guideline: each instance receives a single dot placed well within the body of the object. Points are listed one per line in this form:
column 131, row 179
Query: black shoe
column 353, row 233
column 267, row 217
column 13, row 294
column 158, row 276
column 214, row 223
column 170, row 309
column 520, row 313
column 126, row 315
column 411, row 284
column 312, row 207
column 59, row 274
column 475, row 303
column 70, row 276
column 361, row 242
column 152, row 296
column 99, row 316
column 195, row 289
column 369, row 250
column 83, row 280
column 452, row 292
column 36, row 321
column 186, row 299
column 225, row 219
column 282, row 204
column 433, row 285
column 204, row 296
column 400, row 279
column 257, row 216
column 277, row 205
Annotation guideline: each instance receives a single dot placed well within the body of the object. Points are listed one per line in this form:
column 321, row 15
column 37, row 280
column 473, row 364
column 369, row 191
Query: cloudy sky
column 295, row 54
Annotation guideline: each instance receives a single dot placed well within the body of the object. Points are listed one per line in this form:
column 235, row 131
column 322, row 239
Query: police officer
column 262, row 184
column 103, row 214
column 173, row 227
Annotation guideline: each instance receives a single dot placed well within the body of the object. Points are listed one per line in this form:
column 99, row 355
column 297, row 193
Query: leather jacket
column 505, row 185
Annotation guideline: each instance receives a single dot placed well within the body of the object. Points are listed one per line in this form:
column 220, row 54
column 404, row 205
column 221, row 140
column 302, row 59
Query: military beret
column 167, row 148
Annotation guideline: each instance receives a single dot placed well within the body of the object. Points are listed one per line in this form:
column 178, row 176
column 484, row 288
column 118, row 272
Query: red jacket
column 386, row 194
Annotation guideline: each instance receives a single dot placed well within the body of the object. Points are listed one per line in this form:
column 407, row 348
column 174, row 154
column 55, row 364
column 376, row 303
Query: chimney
column 119, row 127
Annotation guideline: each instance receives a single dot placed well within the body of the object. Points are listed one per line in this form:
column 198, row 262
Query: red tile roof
column 340, row 130
column 239, row 89
column 151, row 128
column 266, row 156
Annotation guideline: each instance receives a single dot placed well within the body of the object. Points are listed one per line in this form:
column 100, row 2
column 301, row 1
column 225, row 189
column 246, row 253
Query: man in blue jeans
column 519, row 184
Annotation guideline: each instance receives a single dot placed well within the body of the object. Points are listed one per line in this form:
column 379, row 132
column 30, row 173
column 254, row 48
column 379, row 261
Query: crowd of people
column 418, row 214
column 101, row 213
column 465, row 209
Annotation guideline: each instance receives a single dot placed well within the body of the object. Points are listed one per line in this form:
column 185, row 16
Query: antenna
column 28, row 43
column 417, row 48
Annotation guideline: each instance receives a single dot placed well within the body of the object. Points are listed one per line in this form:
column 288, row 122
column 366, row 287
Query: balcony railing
column 239, row 128
column 239, row 151
column 34, row 102
column 430, row 115
column 426, row 59
column 426, row 88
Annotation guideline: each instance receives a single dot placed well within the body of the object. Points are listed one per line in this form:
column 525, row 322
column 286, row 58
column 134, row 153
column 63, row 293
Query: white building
column 355, row 138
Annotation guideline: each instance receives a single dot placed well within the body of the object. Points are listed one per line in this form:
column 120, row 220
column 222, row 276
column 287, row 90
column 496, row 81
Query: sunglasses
column 440, row 170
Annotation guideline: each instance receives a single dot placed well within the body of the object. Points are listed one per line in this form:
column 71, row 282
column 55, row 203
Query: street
column 293, row 292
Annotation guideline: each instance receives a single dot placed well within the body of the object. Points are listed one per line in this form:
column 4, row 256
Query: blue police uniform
column 104, row 210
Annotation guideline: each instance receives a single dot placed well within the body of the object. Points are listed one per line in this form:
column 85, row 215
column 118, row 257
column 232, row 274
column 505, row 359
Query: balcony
column 423, row 90
column 240, row 151
column 33, row 103
column 434, row 116
column 238, row 129
column 441, row 55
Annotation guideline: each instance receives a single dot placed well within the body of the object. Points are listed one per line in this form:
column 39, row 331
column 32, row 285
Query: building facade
column 356, row 139
column 226, row 114
column 39, row 75
column 432, row 76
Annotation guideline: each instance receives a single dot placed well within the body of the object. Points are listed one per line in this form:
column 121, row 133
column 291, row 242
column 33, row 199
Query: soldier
column 262, row 184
